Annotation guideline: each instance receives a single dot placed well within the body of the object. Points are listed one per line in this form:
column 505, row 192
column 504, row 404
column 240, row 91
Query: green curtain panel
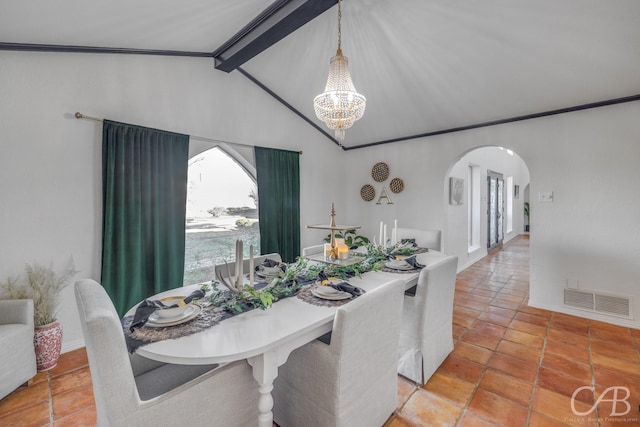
column 144, row 183
column 279, row 201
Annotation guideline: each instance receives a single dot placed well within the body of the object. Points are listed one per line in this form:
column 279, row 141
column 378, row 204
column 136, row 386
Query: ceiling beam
column 30, row 47
column 280, row 19
column 289, row 106
column 631, row 98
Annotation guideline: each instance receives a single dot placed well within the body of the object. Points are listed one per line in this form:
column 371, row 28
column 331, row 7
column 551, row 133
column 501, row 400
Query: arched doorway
column 492, row 209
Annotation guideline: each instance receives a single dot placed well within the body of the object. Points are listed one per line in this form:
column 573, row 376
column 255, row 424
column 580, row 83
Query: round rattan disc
column 396, row 185
column 380, row 171
column 367, row 192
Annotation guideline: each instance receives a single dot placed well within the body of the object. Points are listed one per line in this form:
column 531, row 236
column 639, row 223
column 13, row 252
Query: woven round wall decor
column 380, row 171
column 396, row 185
column 367, row 192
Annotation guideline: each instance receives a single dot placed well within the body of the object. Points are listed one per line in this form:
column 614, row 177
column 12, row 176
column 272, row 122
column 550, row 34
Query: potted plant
column 42, row 285
column 526, row 213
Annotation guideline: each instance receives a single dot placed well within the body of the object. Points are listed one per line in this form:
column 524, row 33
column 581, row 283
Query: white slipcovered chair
column 351, row 381
column 310, row 250
column 135, row 391
column 426, row 336
column 431, row 239
column 17, row 353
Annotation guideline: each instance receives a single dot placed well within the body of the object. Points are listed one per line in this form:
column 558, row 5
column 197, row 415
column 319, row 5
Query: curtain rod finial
column 78, row 115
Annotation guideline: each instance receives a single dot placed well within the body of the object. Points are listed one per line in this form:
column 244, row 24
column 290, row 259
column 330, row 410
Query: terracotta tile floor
column 513, row 365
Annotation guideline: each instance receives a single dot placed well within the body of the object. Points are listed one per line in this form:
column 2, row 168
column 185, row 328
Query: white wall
column 589, row 159
column 486, row 158
column 50, row 162
column 50, row 168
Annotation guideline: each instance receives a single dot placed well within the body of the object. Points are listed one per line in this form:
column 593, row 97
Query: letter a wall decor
column 380, row 173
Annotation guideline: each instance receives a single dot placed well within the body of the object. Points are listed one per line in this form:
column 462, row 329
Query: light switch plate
column 545, row 196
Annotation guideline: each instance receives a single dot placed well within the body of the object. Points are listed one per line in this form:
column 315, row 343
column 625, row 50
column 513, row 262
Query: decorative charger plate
column 396, row 185
column 327, row 292
column 156, row 321
column 398, row 265
column 367, row 192
column 380, row 172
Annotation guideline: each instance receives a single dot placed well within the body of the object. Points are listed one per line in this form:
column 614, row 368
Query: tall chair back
column 352, row 381
column 431, row 239
column 426, row 338
column 142, row 392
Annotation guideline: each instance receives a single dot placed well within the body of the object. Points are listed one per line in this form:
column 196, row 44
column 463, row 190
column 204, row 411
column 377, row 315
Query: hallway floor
column 512, row 365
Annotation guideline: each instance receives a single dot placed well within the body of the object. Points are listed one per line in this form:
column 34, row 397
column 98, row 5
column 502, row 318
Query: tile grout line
column 535, row 381
column 50, row 393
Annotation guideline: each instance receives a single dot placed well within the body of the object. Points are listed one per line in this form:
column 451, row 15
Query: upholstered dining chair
column 426, row 336
column 17, row 353
column 310, row 250
column 351, row 381
column 135, row 391
column 431, row 239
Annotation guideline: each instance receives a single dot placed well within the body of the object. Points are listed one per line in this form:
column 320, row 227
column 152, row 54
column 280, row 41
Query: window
column 222, row 206
column 473, row 206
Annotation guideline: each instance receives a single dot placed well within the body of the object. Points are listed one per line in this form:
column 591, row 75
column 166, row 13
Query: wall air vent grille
column 613, row 305
column 578, row 299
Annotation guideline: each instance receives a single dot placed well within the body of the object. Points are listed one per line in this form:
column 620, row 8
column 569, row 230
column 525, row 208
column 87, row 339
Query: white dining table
column 265, row 338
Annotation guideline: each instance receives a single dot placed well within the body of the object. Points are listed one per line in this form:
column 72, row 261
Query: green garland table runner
column 294, row 281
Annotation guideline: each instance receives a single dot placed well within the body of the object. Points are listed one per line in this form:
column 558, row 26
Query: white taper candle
column 251, row 266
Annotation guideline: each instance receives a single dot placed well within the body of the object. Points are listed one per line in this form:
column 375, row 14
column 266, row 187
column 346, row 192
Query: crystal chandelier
column 339, row 106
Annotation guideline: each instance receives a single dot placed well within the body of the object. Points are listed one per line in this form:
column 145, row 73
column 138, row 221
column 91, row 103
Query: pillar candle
column 384, row 237
column 380, row 238
column 395, row 231
column 238, row 259
column 343, row 251
column 251, row 266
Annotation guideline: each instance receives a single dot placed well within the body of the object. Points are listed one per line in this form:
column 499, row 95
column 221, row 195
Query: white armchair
column 17, row 353
column 431, row 239
column 135, row 391
column 426, row 336
column 352, row 381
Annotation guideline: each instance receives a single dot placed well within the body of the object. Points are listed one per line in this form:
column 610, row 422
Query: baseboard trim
column 68, row 346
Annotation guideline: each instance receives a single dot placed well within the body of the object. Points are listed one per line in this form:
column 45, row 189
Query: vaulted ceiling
column 425, row 66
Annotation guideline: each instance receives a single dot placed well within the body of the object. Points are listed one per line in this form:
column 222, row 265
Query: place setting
column 402, row 264
column 329, row 291
column 169, row 317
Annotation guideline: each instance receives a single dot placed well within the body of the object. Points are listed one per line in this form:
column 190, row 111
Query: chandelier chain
column 339, row 26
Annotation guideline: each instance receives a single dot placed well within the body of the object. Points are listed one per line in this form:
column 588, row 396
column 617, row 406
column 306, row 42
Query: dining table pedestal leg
column 265, row 371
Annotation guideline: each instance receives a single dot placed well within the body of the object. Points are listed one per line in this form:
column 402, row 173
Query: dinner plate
column 268, row 272
column 159, row 322
column 327, row 292
column 398, row 265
